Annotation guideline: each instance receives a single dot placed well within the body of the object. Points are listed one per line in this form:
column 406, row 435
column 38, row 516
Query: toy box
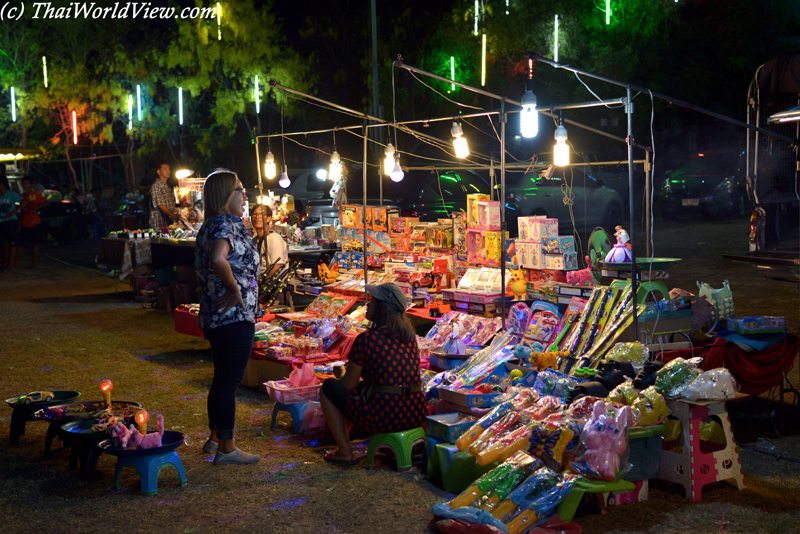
column 543, row 275
column 561, row 262
column 756, row 324
column 558, row 245
column 472, row 209
column 418, row 231
column 463, row 397
column 530, row 254
column 401, row 226
column 476, row 246
column 439, row 237
column 448, row 427
column 460, row 235
column 378, row 242
column 400, row 244
column 493, row 247
column 382, row 216
column 534, row 228
column 512, row 260
column 489, row 214
column 352, row 216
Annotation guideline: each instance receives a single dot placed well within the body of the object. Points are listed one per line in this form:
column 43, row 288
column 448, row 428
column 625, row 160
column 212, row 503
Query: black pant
column 231, row 345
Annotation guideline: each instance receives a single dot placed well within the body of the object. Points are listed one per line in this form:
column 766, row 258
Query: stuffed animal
column 606, row 439
column 546, row 360
column 149, row 441
column 582, row 277
column 523, row 352
column 120, row 434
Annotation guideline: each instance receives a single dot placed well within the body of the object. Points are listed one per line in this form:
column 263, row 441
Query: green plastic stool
column 567, row 508
column 645, row 288
column 401, row 444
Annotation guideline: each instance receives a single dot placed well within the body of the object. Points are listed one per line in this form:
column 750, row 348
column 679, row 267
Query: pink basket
column 284, row 392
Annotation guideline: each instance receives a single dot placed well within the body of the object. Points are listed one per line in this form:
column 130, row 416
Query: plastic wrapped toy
column 506, row 445
column 716, row 384
column 506, row 476
column 467, row 438
column 650, row 408
column 624, row 393
column 534, row 499
column 455, row 345
column 605, row 437
column 519, row 316
column 674, row 375
column 551, row 383
column 553, row 439
column 535, row 485
column 633, row 352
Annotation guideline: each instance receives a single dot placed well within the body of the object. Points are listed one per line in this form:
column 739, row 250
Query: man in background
column 30, row 232
column 9, row 224
column 162, row 205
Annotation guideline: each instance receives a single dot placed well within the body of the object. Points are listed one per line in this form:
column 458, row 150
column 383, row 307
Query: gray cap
column 389, row 293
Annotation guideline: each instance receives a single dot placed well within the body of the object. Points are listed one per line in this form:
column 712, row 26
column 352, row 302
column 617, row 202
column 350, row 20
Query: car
column 431, row 196
column 709, row 182
column 421, row 279
column 37, row 396
column 545, row 193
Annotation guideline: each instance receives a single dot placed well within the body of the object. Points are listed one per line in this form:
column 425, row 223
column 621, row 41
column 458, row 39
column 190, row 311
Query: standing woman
column 385, row 358
column 227, row 268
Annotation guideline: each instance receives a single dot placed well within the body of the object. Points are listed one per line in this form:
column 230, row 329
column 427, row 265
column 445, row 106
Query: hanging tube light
column 529, row 117
column 459, row 142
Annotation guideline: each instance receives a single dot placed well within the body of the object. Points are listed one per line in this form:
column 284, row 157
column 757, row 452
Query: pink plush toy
column 582, row 277
column 606, row 439
column 134, row 439
column 120, row 434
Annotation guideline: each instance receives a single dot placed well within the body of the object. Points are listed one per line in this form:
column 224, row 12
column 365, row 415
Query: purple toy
column 606, row 439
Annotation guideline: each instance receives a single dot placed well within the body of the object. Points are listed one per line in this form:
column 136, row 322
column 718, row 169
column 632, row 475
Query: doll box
column 534, row 228
column 756, row 324
column 494, row 251
column 489, row 215
column 439, row 237
column 448, row 427
column 444, row 363
column 476, row 246
column 560, row 244
column 472, row 209
column 530, row 254
column 561, row 262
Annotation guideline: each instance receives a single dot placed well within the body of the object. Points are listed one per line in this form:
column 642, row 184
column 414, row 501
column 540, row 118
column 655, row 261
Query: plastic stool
column 401, row 444
column 296, row 410
column 645, row 287
column 149, row 466
column 567, row 508
column 99, row 230
column 692, row 468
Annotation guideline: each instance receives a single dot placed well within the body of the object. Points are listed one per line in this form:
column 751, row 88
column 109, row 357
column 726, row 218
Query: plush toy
column 149, row 441
column 582, row 277
column 606, row 439
column 546, row 360
column 120, row 434
column 523, row 352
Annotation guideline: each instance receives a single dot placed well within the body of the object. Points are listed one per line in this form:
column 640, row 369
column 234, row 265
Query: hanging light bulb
column 529, row 117
column 284, row 181
column 269, row 166
column 459, row 143
column 561, row 150
column 397, row 172
column 336, row 166
column 388, row 163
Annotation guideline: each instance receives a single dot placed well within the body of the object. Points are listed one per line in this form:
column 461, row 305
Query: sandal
column 331, row 460
column 238, row 456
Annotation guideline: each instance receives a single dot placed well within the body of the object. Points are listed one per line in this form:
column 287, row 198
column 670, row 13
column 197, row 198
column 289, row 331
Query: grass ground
column 64, row 328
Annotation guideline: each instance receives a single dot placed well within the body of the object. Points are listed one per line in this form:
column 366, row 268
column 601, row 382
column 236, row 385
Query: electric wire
column 440, row 94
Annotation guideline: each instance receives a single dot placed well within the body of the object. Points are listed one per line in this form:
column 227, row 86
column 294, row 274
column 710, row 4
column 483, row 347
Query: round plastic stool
column 149, row 467
column 400, row 443
column 296, row 410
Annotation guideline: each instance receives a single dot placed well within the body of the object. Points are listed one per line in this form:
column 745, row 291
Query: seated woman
column 388, row 397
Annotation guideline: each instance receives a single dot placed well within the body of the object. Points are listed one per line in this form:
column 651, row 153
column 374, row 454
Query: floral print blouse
column 244, row 261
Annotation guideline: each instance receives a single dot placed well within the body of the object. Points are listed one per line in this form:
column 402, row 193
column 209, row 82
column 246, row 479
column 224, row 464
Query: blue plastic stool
column 149, row 467
column 400, row 443
column 99, row 230
column 296, row 410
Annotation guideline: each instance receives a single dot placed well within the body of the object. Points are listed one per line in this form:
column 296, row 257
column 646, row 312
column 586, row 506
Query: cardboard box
column 530, row 254
column 489, row 215
column 543, row 275
column 558, row 245
column 534, row 228
column 439, row 237
column 476, row 247
column 448, row 427
column 401, row 226
column 381, row 218
column 350, row 216
column 561, row 262
column 461, row 397
column 493, row 245
column 460, row 236
column 472, row 209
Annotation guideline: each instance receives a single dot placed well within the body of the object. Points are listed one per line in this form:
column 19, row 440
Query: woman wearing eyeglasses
column 227, row 267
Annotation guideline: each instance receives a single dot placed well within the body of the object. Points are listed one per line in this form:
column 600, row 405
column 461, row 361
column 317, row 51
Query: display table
column 169, row 252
